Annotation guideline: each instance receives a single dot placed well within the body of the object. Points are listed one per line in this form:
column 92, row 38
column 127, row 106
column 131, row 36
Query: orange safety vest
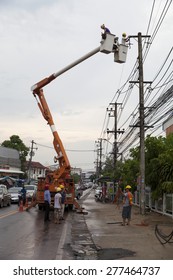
column 130, row 197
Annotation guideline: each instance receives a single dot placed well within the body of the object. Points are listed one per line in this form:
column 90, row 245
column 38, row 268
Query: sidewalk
column 135, row 242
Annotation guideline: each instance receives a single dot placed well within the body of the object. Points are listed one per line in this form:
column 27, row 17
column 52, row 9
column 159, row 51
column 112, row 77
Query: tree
column 130, row 173
column 158, row 165
column 76, row 178
column 16, row 143
column 107, row 170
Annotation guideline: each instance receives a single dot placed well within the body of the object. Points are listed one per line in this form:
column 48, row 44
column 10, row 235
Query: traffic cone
column 21, row 206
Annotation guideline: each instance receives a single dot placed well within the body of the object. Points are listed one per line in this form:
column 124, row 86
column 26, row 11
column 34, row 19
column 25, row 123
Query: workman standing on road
column 63, row 197
column 57, row 206
column 47, row 202
column 127, row 205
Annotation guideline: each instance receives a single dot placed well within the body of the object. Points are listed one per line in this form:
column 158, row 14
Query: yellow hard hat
column 58, row 189
column 128, row 187
column 61, row 186
column 124, row 35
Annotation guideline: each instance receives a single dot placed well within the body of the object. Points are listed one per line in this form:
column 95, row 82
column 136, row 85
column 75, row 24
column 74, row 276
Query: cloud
column 39, row 38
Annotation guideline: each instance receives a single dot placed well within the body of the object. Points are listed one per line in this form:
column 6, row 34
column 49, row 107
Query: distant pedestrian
column 23, row 195
column 57, row 206
column 127, row 205
column 106, row 30
column 47, row 202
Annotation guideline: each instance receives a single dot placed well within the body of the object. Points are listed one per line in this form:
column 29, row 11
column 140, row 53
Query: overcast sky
column 40, row 37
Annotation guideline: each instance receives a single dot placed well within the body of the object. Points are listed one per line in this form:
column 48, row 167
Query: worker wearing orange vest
column 127, row 205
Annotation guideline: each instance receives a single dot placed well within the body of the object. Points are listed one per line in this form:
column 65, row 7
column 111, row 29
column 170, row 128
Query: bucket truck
column 62, row 174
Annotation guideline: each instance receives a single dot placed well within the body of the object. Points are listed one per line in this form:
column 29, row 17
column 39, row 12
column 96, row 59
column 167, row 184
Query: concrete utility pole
column 113, row 113
column 141, row 125
column 99, row 156
column 30, row 160
column 142, row 133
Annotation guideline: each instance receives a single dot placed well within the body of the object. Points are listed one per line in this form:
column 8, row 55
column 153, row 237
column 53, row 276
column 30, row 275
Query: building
column 86, row 176
column 35, row 170
column 10, row 164
column 168, row 125
column 76, row 170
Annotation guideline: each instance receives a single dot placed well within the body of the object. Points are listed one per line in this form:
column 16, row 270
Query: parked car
column 78, row 191
column 31, row 192
column 15, row 192
column 5, row 196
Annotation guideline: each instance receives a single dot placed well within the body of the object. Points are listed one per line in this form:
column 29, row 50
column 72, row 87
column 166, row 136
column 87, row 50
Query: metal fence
column 163, row 205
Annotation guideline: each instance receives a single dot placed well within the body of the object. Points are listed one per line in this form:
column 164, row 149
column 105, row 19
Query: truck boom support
column 62, row 173
column 47, row 80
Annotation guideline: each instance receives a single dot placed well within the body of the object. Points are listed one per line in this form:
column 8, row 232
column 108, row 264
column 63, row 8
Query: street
column 24, row 235
column 95, row 234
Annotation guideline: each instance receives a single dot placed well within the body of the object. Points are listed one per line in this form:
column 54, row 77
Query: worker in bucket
column 105, row 31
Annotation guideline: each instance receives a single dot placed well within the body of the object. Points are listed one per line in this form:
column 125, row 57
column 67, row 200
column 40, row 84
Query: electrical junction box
column 107, row 44
column 121, row 54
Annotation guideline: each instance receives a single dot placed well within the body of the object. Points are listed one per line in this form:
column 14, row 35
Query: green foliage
column 158, row 166
column 130, row 173
column 16, row 143
column 76, row 178
column 167, row 187
column 108, row 170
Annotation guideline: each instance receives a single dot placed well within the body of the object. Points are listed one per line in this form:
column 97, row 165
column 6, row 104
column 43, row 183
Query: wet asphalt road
column 25, row 235
column 98, row 235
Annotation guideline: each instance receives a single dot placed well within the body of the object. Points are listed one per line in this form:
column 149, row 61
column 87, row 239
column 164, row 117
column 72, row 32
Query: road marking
column 59, row 253
column 8, row 214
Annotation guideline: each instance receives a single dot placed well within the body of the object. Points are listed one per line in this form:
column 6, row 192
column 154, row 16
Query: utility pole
column 141, row 117
column 30, row 160
column 141, row 124
column 99, row 155
column 113, row 113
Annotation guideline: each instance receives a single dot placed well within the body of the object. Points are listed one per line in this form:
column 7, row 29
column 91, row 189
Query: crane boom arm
column 107, row 46
column 61, row 156
column 64, row 165
column 49, row 79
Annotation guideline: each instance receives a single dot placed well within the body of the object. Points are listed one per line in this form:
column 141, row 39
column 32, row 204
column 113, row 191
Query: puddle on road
column 114, row 253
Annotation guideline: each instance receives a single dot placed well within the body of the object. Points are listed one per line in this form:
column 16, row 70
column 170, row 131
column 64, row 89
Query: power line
column 45, row 146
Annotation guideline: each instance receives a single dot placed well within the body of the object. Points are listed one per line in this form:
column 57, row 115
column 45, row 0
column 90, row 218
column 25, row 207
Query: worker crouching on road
column 57, row 206
column 47, row 202
column 127, row 205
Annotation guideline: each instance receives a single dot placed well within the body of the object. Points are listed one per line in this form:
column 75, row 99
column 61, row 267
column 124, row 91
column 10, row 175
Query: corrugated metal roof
column 36, row 164
column 9, row 157
column 9, row 153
